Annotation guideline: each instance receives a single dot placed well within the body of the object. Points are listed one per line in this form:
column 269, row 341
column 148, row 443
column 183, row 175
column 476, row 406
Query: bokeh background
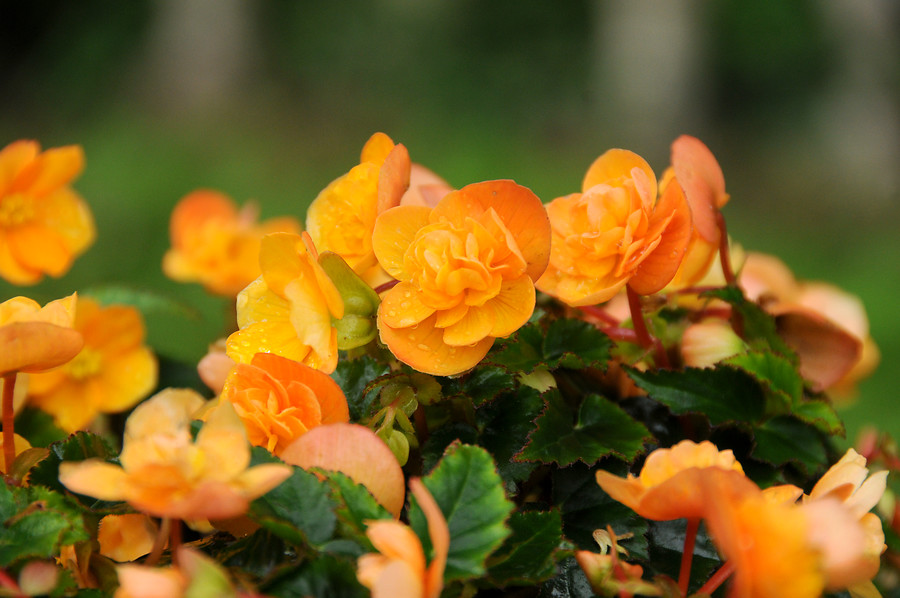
column 272, row 99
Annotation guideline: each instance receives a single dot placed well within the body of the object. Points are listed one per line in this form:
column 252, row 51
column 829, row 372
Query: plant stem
column 159, row 543
column 717, row 579
column 9, row 439
column 640, row 328
column 724, row 252
column 687, row 554
column 599, row 313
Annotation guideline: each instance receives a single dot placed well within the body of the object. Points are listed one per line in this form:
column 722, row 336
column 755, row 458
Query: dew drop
column 392, row 313
column 404, row 305
column 411, row 337
column 423, row 346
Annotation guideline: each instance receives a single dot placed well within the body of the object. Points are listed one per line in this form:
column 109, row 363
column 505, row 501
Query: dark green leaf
column 598, row 429
column 299, row 510
column 666, row 542
column 258, row 554
column 38, row 427
column 575, row 344
column 356, row 377
column 356, row 505
column 441, row 438
column 723, row 394
column 785, row 439
column 586, row 507
column 526, row 557
column 522, row 352
column 504, row 428
column 778, row 375
column 325, row 577
column 820, row 414
column 569, row 582
column 469, row 492
column 480, row 385
column 758, row 326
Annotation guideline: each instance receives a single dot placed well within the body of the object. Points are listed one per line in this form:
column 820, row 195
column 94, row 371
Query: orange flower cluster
column 775, row 546
column 215, row 244
column 44, row 224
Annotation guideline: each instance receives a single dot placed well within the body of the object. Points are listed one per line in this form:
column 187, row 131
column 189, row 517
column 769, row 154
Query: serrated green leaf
column 569, row 582
column 505, row 425
column 38, row 427
column 522, row 352
column 36, row 522
column 599, row 428
column 586, row 507
column 779, row 377
column 438, row 441
column 469, row 492
column 526, row 557
column 356, row 505
column 821, row 414
column 480, row 385
column 759, row 329
column 572, row 343
column 299, row 510
column 724, row 394
column 666, row 545
column 356, row 378
column 324, row 577
column 785, row 439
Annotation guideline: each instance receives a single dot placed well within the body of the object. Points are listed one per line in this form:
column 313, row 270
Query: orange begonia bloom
column 35, row 338
column 708, row 342
column 357, row 452
column 167, row 474
column 615, row 233
column 125, row 538
column 289, row 309
column 279, row 400
column 400, row 571
column 667, row 485
column 195, row 575
column 700, row 176
column 44, row 224
column 466, row 270
column 342, row 217
column 215, row 244
column 113, row 371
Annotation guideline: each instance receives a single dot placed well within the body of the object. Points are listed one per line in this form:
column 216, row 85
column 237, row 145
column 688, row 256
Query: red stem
column 724, row 252
column 9, row 439
column 717, row 579
column 599, row 313
column 640, row 328
column 159, row 543
column 687, row 555
column 620, row 334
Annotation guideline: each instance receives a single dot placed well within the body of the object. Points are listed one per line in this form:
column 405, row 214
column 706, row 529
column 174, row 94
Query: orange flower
column 279, row 400
column 113, row 371
column 44, row 224
column 400, row 571
column 708, row 342
column 125, row 538
column 466, row 270
column 35, row 338
column 167, row 474
column 667, row 487
column 615, row 233
column 342, row 217
column 289, row 309
column 215, row 244
column 700, row 176
column 195, row 575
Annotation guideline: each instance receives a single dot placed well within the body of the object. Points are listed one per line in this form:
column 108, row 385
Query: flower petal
column 616, row 164
column 328, row 393
column 401, row 306
column 423, row 348
column 94, row 478
column 37, row 346
column 393, row 178
column 394, row 231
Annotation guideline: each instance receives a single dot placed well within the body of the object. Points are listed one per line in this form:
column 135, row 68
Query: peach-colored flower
column 214, row 367
column 167, row 474
column 124, row 538
column 216, row 244
column 667, row 487
column 289, row 309
column 279, row 400
column 426, row 188
column 113, row 371
column 44, row 224
column 357, row 452
column 466, row 270
column 700, row 176
column 400, row 570
column 615, row 233
column 194, row 575
column 825, row 325
column 708, row 342
column 342, row 217
column 35, row 338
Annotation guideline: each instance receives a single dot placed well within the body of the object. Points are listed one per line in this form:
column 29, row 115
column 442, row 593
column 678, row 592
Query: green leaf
column 758, row 326
column 324, row 577
column 569, row 582
column 785, row 439
column 723, row 394
column 575, row 344
column 36, row 522
column 356, row 505
column 38, row 427
column 526, row 557
column 599, row 428
column 480, row 385
column 505, row 425
column 821, row 414
column 356, row 377
column 521, row 352
column 778, row 376
column 469, row 492
column 441, row 438
column 299, row 510
column 586, row 507
column 666, row 543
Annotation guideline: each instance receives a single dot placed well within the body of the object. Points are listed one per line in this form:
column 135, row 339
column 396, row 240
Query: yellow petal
column 616, row 165
column 394, row 231
column 94, row 478
column 423, row 348
column 37, row 346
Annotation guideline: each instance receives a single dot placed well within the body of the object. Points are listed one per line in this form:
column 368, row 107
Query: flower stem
column 687, row 554
column 159, row 543
column 717, row 579
column 724, row 253
column 644, row 338
column 9, row 440
column 599, row 313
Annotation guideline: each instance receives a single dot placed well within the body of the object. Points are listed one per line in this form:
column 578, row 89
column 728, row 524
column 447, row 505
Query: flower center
column 85, row 364
column 15, row 209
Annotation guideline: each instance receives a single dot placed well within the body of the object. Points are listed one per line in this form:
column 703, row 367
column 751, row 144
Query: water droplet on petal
column 423, row 346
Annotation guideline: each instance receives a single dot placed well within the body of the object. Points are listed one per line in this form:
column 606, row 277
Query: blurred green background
column 272, row 99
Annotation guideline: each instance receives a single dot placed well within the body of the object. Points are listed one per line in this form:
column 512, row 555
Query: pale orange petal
column 195, row 210
column 512, row 308
column 397, row 541
column 13, row 158
column 614, row 165
column 423, row 348
column 127, row 379
column 328, row 393
column 700, row 175
column 401, row 306
column 393, row 179
column 394, row 231
column 471, row 328
column 94, row 478
column 826, row 351
column 38, row 247
column 376, row 148
column 36, row 346
column 53, row 168
column 439, row 533
column 65, row 211
column 397, row 580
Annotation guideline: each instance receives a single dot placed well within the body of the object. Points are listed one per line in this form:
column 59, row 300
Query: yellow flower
column 466, row 270
column 44, row 224
column 615, row 233
column 113, row 371
column 167, row 474
column 400, row 571
column 215, row 244
column 35, row 338
column 289, row 309
column 124, row 538
column 279, row 400
column 667, row 487
column 341, row 219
